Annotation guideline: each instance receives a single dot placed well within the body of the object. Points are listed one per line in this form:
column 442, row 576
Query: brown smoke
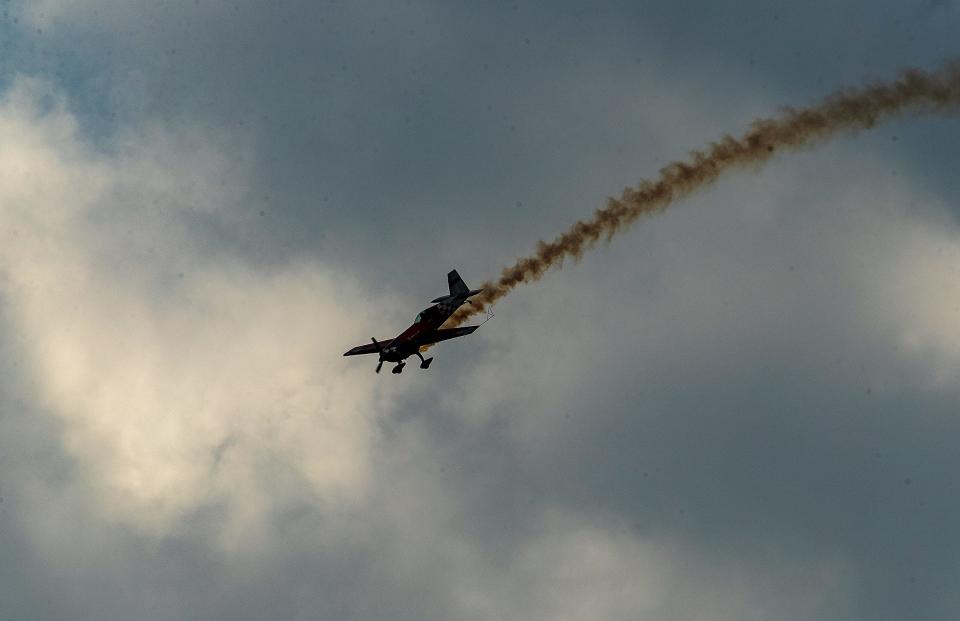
column 847, row 110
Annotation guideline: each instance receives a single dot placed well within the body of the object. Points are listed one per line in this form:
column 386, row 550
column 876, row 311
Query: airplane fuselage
column 429, row 320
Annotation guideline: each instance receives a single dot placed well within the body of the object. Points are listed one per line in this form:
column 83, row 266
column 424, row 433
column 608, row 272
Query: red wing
column 442, row 335
column 367, row 349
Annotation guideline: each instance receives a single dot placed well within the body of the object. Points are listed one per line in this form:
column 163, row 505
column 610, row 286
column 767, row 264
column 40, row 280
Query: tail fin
column 457, row 286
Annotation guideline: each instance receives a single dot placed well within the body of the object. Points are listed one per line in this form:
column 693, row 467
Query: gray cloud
column 367, row 114
column 743, row 410
column 760, row 385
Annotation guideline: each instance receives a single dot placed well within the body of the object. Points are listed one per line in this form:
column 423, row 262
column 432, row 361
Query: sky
column 744, row 408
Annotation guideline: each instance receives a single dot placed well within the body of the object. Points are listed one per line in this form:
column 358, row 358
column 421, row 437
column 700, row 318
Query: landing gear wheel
column 399, row 368
column 424, row 364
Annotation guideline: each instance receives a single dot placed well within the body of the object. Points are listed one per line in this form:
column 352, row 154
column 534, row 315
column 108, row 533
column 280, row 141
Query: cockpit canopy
column 425, row 314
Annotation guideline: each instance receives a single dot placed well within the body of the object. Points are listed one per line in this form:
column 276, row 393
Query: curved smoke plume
column 794, row 128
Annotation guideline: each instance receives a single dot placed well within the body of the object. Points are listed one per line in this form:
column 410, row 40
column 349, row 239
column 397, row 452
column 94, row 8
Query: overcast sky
column 744, row 409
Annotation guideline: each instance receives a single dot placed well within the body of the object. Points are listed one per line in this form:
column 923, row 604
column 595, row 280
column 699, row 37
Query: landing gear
column 397, row 370
column 424, row 364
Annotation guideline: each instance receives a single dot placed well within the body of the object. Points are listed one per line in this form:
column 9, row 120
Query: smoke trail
column 851, row 110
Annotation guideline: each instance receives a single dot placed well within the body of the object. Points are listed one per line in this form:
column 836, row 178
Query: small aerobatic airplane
column 425, row 329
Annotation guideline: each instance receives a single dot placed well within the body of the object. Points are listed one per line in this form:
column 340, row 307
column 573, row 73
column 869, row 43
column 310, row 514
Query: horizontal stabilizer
column 451, row 297
column 458, row 289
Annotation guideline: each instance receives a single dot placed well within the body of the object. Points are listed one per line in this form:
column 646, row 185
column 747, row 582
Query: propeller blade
column 376, row 344
column 379, row 364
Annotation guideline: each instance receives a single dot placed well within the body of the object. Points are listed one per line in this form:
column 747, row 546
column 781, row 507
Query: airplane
column 425, row 329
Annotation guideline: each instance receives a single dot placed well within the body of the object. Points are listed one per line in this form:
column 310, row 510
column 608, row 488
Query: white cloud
column 181, row 382
column 923, row 297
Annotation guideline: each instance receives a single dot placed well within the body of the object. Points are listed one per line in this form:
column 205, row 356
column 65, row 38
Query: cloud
column 761, row 370
column 725, row 430
column 579, row 572
column 923, row 299
column 181, row 381
column 795, row 129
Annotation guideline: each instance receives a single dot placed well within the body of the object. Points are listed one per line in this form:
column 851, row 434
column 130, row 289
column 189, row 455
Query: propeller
column 380, row 350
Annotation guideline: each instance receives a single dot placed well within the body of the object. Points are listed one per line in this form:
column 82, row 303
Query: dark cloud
column 736, row 412
column 768, row 421
column 415, row 118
